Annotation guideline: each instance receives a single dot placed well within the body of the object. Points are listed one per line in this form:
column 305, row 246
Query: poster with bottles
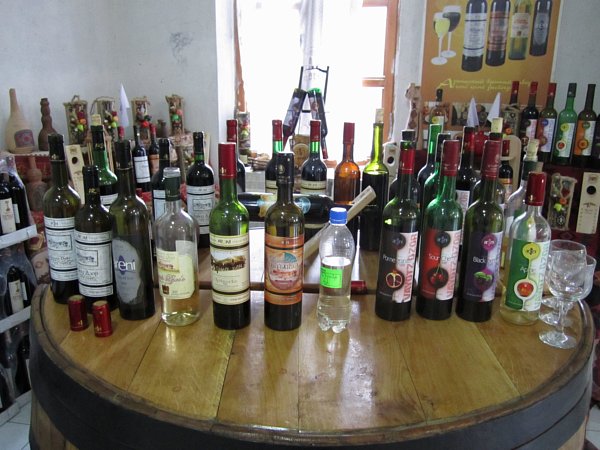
column 477, row 48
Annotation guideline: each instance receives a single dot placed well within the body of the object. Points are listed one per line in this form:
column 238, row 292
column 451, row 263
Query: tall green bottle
column 565, row 130
column 108, row 180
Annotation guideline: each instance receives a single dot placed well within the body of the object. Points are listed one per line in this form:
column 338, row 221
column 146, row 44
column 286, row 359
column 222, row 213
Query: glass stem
column 439, row 47
column 449, row 40
column 563, row 308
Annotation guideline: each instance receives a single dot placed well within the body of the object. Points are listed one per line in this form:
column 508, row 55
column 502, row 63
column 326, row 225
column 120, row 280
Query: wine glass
column 441, row 25
column 551, row 317
column 568, row 276
column 452, row 13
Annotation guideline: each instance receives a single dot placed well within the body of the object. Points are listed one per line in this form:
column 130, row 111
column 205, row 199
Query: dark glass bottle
column 232, row 129
column 229, row 248
column 375, row 175
column 511, row 113
column 292, row 114
column 596, row 147
column 541, row 27
column 314, row 207
column 474, row 35
column 495, row 135
column 429, row 167
column 346, row 181
column 438, row 113
column 14, row 299
column 497, row 33
column 8, row 223
column 132, row 257
column 270, row 170
column 140, row 163
column 153, row 151
column 529, row 117
column 93, row 244
column 467, row 176
column 547, row 125
column 408, row 141
column 440, row 242
column 108, row 180
column 506, row 173
column 5, row 396
column 158, row 179
column 200, row 181
column 482, row 242
column 313, row 172
column 565, row 130
column 431, row 184
column 399, row 241
column 584, row 134
column 18, row 194
column 61, row 202
column 284, row 244
column 22, row 380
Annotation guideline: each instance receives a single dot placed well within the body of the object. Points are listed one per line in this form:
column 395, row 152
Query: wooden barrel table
column 416, row 384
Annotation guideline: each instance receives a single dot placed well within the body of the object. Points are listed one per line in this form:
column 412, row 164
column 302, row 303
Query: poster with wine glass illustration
column 477, row 48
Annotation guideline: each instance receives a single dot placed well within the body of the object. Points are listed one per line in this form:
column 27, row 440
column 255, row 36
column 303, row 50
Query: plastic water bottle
column 336, row 252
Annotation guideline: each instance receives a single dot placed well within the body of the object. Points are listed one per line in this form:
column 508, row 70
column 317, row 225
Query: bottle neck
column 533, row 210
column 589, row 99
column 315, row 149
column 514, row 98
column 228, row 189
column 550, row 102
column 404, row 186
column 173, row 206
column 448, row 187
column 488, row 189
column 277, row 147
column 99, row 154
column 198, row 156
column 377, row 151
column 60, row 177
column 531, row 100
column 348, row 151
column 92, row 197
column 285, row 193
column 126, row 182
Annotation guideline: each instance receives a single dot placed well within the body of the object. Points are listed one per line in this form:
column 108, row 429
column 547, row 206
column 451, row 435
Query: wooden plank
column 355, row 379
column 261, row 387
column 184, row 368
column 56, row 318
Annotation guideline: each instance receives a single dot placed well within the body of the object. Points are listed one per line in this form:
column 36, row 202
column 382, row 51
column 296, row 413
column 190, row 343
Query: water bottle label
column 230, row 270
column 526, row 275
column 439, row 262
column 176, row 271
column 284, row 269
column 331, row 278
column 483, row 262
column 397, row 265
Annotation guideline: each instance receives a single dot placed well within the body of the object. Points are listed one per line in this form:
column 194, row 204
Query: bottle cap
column 315, row 131
column 338, row 215
column 102, row 319
column 450, row 158
column 551, row 89
column 533, row 87
column 536, row 189
column 90, row 177
column 78, row 319
column 349, row 133
column 379, row 115
column 440, row 143
column 123, row 152
column 172, row 183
column 572, row 91
column 408, row 135
column 277, row 130
column 284, row 168
column 56, row 147
column 490, row 161
column 227, row 160
column 164, row 146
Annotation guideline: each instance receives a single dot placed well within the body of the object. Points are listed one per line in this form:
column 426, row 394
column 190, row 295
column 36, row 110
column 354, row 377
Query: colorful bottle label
column 498, row 30
column 545, row 134
column 530, row 128
column 177, row 271
column 61, row 248
column 130, row 270
column 15, row 291
column 483, row 262
column 520, row 25
column 230, row 269
column 439, row 263
column 7, row 216
column 313, row 187
column 284, row 269
column 439, row 120
column 200, row 201
column 474, row 38
column 94, row 263
column 526, row 275
column 141, row 168
column 564, row 140
column 584, row 136
column 397, row 265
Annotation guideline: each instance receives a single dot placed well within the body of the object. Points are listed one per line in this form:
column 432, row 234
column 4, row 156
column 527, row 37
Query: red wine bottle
column 467, row 177
column 141, row 166
column 529, row 117
column 547, row 125
column 584, row 134
column 313, row 173
column 440, row 242
column 158, row 179
column 270, row 172
column 14, row 299
column 240, row 169
column 497, row 33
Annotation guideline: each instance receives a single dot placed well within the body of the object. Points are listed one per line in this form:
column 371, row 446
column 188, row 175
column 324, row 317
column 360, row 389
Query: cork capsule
column 102, row 320
column 78, row 318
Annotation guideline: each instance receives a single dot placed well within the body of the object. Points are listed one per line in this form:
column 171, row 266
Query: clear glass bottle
column 177, row 257
column 336, row 252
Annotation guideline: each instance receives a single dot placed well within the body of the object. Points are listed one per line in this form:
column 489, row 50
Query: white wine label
column 141, row 168
column 200, row 201
column 313, row 187
column 176, row 271
column 547, row 134
column 16, row 296
column 16, row 213
column 94, row 263
column 126, row 262
column 474, row 38
column 7, row 216
column 107, row 200
column 61, row 248
column 230, row 269
column 158, row 202
column 520, row 25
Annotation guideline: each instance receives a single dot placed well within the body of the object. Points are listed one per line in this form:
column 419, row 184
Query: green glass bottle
column 482, row 243
column 108, row 180
column 61, row 203
column 432, row 182
column 565, row 130
column 547, row 125
column 584, row 133
column 229, row 248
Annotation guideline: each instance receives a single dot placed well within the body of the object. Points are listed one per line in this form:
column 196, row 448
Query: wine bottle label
column 530, row 128
column 526, row 275
column 439, row 263
column 463, row 197
column 24, row 291
column 230, row 269
column 176, row 271
column 94, row 263
column 141, row 168
column 158, row 202
column 200, row 201
column 474, row 41
column 498, row 31
column 546, row 134
column 584, row 136
column 15, row 292
column 107, row 200
column 313, row 187
column 7, row 216
column 132, row 273
column 397, row 265
column 284, row 269
column 564, row 140
column 16, row 213
column 61, row 248
column 541, row 25
column 271, row 186
column 483, row 263
column 520, row 25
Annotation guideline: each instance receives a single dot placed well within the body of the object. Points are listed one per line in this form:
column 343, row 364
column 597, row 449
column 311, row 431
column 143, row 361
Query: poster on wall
column 477, row 48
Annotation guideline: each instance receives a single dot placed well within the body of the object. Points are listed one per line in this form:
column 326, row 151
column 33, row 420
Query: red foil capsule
column 78, row 318
column 358, row 287
column 102, row 320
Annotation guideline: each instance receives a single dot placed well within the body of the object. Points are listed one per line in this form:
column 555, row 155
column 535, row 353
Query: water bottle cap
column 338, row 215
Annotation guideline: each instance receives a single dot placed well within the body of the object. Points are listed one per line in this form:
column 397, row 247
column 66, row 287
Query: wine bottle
column 505, row 174
column 270, row 171
column 438, row 113
column 482, row 241
column 14, row 300
column 284, row 252
column 232, row 129
column 108, row 180
column 93, row 244
column 466, row 177
column 474, row 36
column 440, row 242
column 584, row 134
column 546, row 125
column 511, row 113
column 346, row 180
column 398, row 249
column 317, row 109
column 497, row 33
column 200, row 181
column 292, row 114
column 140, row 163
column 431, row 184
column 153, row 151
column 61, row 202
column 527, row 257
column 519, row 30
column 229, row 248
column 565, row 130
column 408, row 141
column 541, row 27
column 429, row 167
column 375, row 175
column 314, row 207
column 18, row 195
column 132, row 258
column 8, row 224
column 158, row 179
column 313, row 176
column 529, row 117
column 22, row 379
column 176, row 256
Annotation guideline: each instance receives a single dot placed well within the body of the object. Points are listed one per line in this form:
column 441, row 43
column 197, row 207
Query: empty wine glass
column 452, row 13
column 441, row 25
column 568, row 276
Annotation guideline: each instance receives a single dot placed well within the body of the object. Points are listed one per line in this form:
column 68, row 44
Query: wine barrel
column 416, row 384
